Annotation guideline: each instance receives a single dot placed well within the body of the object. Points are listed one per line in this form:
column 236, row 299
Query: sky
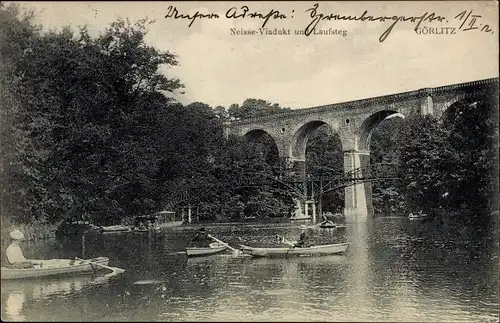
column 298, row 71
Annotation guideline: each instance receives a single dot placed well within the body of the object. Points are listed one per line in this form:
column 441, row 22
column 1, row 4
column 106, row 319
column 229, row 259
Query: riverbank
column 36, row 230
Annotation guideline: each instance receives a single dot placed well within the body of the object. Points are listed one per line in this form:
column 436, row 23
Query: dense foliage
column 449, row 164
column 85, row 119
column 89, row 127
column 325, row 160
column 446, row 164
column 385, row 147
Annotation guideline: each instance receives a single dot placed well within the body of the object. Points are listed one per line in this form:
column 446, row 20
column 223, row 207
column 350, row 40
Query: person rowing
column 201, row 238
column 304, row 238
column 326, row 221
column 15, row 256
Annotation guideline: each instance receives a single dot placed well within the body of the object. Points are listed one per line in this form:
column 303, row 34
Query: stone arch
column 466, row 95
column 370, row 123
column 456, row 99
column 301, row 135
column 258, row 133
column 451, row 105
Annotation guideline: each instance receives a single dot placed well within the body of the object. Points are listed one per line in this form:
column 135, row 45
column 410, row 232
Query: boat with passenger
column 116, row 228
column 55, row 268
column 327, row 225
column 418, row 216
column 74, row 227
column 332, row 221
column 212, row 249
column 300, row 217
column 294, row 251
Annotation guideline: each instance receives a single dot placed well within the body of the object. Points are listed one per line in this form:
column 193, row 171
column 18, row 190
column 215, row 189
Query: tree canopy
column 89, row 127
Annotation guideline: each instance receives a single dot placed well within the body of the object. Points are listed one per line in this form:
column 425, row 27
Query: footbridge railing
column 372, row 172
column 188, row 191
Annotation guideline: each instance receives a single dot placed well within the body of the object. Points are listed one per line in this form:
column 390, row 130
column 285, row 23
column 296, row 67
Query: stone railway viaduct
column 354, row 122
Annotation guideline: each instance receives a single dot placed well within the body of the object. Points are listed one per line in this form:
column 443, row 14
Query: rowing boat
column 327, row 225
column 332, row 226
column 116, row 228
column 211, row 250
column 300, row 217
column 58, row 267
column 417, row 216
column 145, row 230
column 286, row 251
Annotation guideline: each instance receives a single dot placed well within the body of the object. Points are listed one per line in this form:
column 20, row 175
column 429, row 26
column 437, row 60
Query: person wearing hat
column 303, row 241
column 201, row 238
column 14, row 254
column 326, row 221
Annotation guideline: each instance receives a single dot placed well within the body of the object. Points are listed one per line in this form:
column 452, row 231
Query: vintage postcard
column 249, row 161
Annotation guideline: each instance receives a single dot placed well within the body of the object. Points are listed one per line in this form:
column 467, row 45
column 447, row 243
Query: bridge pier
column 354, row 122
column 358, row 204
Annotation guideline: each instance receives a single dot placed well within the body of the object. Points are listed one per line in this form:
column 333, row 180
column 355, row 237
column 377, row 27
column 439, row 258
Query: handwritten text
column 317, row 17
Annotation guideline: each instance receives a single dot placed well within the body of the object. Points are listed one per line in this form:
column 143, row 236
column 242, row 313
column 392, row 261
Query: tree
column 252, row 108
column 425, row 164
column 470, row 125
column 325, row 158
column 92, row 110
column 221, row 113
column 385, row 147
column 21, row 181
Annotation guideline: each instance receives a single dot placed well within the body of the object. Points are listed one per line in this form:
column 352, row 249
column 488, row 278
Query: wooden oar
column 236, row 251
column 115, row 270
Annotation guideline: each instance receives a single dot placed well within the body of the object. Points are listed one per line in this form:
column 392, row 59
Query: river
column 394, row 270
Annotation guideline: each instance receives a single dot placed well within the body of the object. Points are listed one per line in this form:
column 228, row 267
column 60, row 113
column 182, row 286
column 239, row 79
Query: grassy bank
column 32, row 231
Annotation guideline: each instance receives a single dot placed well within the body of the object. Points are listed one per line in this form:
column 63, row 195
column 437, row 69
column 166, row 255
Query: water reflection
column 394, row 270
column 16, row 292
column 358, row 284
column 14, row 306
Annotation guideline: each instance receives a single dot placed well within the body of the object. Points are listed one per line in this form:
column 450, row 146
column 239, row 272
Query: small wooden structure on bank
column 163, row 219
